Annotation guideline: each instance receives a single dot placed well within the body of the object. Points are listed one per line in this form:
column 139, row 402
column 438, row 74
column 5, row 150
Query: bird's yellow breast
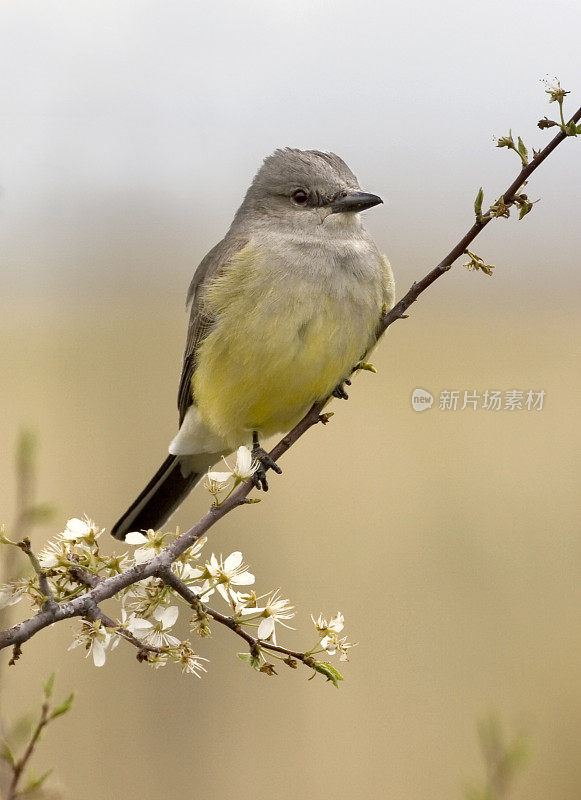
column 280, row 343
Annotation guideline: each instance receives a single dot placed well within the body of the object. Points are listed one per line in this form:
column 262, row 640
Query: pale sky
column 129, row 130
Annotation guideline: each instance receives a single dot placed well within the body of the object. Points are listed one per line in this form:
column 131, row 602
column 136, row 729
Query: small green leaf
column 63, row 707
column 251, row 659
column 328, row 671
column 36, row 783
column 478, row 204
column 571, row 129
column 22, row 728
column 40, row 513
column 367, row 367
column 6, row 753
column 3, row 538
column 26, row 449
column 516, row 754
column 522, row 151
column 49, row 686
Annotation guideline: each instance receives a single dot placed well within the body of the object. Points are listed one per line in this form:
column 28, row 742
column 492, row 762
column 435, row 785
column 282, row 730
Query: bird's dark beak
column 355, row 201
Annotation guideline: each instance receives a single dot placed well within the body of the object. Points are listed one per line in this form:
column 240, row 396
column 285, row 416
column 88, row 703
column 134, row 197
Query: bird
column 282, row 310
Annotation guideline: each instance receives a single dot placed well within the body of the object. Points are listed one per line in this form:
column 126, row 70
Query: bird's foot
column 264, row 462
column 339, row 390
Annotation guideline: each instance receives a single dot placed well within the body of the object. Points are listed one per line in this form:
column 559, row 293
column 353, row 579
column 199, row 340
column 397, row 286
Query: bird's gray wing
column 200, row 323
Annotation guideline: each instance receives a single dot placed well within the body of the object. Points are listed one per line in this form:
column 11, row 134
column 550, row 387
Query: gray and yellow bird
column 282, row 309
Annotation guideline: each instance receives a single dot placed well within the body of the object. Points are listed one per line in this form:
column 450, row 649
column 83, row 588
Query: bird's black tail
column 160, row 498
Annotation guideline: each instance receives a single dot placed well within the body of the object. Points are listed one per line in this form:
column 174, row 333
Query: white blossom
column 225, row 573
column 156, row 634
column 334, row 625
column 10, row 595
column 138, row 626
column 78, row 529
column 53, row 554
column 204, row 591
column 95, row 638
column 152, row 541
column 216, row 480
column 189, row 661
column 244, row 468
column 329, row 635
column 276, row 609
column 332, row 643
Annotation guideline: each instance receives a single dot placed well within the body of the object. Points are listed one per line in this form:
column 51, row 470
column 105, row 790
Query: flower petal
column 48, row 561
column 138, row 626
column 192, row 573
column 233, row 561
column 134, row 537
column 98, row 652
column 245, row 467
column 213, row 564
column 143, row 554
column 223, row 591
column 167, row 616
column 219, row 477
column 266, row 628
column 244, row 579
column 337, row 623
column 76, row 529
column 204, row 591
column 245, row 611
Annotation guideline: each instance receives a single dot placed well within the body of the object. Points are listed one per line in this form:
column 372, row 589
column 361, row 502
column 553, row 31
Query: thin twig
column 43, row 583
column 111, row 586
column 25, row 491
column 417, row 288
column 89, row 579
column 96, row 613
column 86, row 578
column 19, row 767
column 192, row 599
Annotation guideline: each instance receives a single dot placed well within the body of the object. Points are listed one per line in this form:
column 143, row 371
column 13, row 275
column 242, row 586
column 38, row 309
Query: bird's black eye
column 300, row 197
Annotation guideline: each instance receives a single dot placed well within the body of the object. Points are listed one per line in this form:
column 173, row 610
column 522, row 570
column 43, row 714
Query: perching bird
column 282, row 310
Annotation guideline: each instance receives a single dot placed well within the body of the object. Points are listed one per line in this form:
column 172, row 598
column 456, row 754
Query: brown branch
column 417, row 288
column 89, row 579
column 108, row 587
column 86, row 578
column 143, row 648
column 193, row 600
column 19, row 767
column 43, row 583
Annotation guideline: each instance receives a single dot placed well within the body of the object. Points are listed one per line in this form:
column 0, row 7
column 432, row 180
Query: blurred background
column 129, row 132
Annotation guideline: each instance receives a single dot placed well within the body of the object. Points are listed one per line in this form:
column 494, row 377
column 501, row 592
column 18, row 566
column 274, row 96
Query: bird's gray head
column 305, row 187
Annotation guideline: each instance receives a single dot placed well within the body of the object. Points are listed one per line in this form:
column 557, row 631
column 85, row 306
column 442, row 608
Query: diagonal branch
column 171, row 579
column 88, row 579
column 108, row 587
column 143, row 648
column 417, row 288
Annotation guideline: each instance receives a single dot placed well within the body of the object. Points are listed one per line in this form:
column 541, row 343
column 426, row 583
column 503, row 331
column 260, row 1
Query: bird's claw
column 264, row 462
column 339, row 390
